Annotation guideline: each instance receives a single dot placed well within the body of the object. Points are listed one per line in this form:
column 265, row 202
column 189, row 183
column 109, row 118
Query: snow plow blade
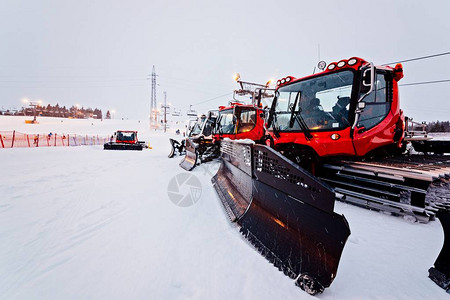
column 122, row 146
column 190, row 159
column 285, row 212
column 440, row 273
column 177, row 147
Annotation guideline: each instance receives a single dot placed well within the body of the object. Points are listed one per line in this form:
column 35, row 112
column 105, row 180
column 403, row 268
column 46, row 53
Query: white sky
column 99, row 53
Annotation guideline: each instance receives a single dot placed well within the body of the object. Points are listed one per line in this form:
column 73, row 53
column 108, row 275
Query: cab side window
column 207, row 131
column 378, row 103
column 247, row 121
column 226, row 123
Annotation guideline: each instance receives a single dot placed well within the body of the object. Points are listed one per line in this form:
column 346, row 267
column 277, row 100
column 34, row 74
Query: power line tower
column 153, row 108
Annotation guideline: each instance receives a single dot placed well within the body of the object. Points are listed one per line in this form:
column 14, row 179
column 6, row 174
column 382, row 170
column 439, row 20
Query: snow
column 444, row 136
column 84, row 223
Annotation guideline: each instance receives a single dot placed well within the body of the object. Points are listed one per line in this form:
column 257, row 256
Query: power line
column 72, row 87
column 417, row 58
column 406, row 84
column 425, row 82
column 67, row 81
column 201, row 102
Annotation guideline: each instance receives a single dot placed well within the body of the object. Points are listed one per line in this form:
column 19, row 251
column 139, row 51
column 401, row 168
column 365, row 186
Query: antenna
column 318, row 50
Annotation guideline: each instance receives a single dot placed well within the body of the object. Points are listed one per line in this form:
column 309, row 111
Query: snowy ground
column 83, row 223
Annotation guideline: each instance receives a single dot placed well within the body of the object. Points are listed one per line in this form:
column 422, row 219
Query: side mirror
column 359, row 109
column 367, row 78
column 257, row 97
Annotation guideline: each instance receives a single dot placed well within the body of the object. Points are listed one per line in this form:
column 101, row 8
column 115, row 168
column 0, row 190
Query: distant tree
column 108, row 115
column 439, row 126
column 97, row 113
column 57, row 111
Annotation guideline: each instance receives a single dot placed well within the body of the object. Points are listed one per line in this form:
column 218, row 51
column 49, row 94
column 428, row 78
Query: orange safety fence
column 14, row 139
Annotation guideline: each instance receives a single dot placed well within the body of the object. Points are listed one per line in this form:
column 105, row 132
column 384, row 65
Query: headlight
column 335, row 136
column 341, row 64
column 352, row 61
column 331, row 66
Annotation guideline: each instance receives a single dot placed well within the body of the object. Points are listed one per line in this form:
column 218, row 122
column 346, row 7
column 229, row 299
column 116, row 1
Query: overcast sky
column 100, row 53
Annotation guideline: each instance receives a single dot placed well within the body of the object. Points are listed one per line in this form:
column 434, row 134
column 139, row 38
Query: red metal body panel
column 255, row 134
column 362, row 141
column 321, row 142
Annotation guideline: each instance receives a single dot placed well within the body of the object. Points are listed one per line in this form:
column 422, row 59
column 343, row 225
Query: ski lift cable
column 406, row 84
column 425, row 82
column 417, row 58
column 71, row 87
column 201, row 102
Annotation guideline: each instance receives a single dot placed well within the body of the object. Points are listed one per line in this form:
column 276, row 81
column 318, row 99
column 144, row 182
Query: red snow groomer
column 235, row 121
column 339, row 134
column 239, row 121
column 124, row 140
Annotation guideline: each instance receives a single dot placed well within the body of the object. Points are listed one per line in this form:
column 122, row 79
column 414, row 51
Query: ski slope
column 84, row 223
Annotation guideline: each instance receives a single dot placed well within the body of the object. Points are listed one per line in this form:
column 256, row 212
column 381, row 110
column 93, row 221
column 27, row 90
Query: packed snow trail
column 86, row 223
column 80, row 222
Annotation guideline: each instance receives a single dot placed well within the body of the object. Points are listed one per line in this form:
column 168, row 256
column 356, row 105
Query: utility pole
column 153, row 116
column 165, row 106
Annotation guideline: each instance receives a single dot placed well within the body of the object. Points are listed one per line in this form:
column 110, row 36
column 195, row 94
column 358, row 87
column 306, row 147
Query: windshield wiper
column 272, row 119
column 276, row 127
column 297, row 116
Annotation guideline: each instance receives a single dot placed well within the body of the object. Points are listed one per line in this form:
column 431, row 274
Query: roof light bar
column 341, row 64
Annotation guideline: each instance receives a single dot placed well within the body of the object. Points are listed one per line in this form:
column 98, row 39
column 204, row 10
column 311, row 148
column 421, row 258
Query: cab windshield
column 321, row 102
column 197, row 129
column 126, row 136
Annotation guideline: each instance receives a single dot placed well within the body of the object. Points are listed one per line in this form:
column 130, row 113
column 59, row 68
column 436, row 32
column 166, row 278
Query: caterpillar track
column 415, row 185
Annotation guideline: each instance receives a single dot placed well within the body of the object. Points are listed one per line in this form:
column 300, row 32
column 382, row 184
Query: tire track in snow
column 75, row 220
